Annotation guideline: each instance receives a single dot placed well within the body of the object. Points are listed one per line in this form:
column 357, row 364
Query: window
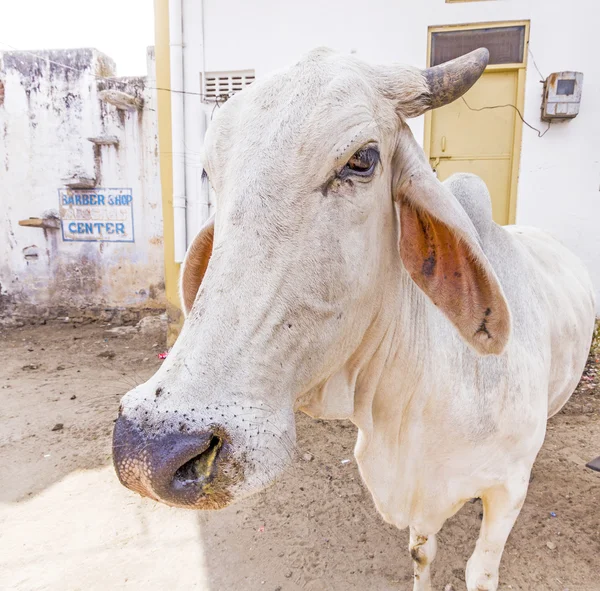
column 222, row 85
column 505, row 44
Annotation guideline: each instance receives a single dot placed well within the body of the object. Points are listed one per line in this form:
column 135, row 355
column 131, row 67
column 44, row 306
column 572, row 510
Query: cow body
column 439, row 424
column 341, row 278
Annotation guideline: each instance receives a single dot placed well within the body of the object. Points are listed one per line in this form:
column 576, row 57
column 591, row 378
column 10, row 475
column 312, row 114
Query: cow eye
column 363, row 162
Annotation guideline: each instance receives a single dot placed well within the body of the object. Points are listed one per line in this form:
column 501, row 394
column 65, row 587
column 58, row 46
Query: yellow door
column 479, row 141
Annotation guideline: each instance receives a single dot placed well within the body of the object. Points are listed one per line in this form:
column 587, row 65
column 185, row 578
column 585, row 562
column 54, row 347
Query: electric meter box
column 562, row 95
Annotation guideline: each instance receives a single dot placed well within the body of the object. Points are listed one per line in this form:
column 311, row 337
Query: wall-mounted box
column 562, row 95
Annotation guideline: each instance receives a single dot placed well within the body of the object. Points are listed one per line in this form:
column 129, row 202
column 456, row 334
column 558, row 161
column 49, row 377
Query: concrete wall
column 50, row 107
column 559, row 185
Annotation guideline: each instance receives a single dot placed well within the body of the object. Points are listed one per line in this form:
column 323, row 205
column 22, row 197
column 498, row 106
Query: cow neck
column 399, row 364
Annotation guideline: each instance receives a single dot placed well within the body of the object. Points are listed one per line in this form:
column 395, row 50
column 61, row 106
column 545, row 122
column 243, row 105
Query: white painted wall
column 559, row 185
column 196, row 112
column 47, row 113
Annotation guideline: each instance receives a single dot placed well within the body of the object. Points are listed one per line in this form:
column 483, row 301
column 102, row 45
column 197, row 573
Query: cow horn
column 450, row 80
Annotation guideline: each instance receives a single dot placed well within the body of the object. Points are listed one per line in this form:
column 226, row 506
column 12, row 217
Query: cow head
column 324, row 202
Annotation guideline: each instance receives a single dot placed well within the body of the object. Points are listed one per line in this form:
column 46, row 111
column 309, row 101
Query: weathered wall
column 49, row 108
column 559, row 182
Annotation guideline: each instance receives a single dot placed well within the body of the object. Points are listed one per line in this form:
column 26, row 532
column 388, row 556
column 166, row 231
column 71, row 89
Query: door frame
column 521, row 69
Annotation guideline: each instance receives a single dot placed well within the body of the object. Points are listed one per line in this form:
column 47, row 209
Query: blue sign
column 96, row 215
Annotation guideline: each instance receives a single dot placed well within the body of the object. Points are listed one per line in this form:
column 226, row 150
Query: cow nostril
column 200, row 469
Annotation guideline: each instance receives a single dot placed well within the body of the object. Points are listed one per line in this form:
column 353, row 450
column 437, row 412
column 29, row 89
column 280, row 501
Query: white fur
column 306, row 304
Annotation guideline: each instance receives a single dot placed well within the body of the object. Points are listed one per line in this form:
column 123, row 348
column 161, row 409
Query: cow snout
column 181, row 469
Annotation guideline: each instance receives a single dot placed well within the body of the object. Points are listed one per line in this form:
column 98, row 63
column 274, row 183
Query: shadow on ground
column 60, row 388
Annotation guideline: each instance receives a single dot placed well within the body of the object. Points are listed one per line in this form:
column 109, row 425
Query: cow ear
column 195, row 264
column 440, row 248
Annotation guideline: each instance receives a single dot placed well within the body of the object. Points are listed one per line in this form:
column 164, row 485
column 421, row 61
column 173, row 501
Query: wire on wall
column 540, row 133
column 543, row 78
column 110, row 80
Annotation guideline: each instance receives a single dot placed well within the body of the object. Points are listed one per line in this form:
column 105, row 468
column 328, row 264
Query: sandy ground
column 66, row 523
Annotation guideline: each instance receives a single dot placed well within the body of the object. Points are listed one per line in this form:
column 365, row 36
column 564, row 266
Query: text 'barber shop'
column 96, row 215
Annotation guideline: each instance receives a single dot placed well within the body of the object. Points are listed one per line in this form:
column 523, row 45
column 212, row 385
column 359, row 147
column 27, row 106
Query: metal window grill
column 222, row 85
column 505, row 44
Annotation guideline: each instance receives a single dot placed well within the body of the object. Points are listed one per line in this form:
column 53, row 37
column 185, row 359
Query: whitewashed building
column 80, row 201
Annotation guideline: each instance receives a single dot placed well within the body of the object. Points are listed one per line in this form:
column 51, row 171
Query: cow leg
column 422, row 550
column 501, row 507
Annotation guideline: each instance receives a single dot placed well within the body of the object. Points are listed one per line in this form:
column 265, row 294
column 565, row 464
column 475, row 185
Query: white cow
column 346, row 281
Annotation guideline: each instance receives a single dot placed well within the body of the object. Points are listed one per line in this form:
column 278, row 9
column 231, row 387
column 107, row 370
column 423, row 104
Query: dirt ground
column 66, row 523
